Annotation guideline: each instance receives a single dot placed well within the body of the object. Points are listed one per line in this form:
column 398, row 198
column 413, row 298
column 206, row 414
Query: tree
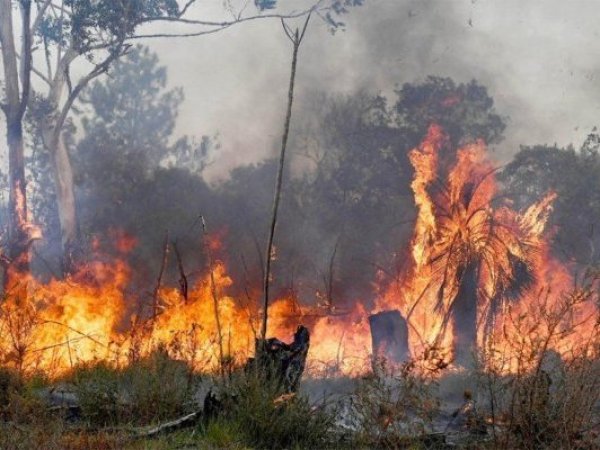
column 97, row 32
column 573, row 175
column 131, row 117
column 129, row 168
column 465, row 111
column 295, row 38
column 66, row 31
column 356, row 191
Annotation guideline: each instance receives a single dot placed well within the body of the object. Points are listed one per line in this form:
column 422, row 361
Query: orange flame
column 461, row 228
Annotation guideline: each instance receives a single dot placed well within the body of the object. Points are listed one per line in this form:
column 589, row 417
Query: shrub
column 266, row 417
column 394, row 410
column 10, row 382
column 543, row 391
column 98, row 389
column 150, row 389
column 158, row 387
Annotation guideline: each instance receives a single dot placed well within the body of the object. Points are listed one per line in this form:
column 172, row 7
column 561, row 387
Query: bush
column 543, row 391
column 10, row 382
column 158, row 387
column 151, row 389
column 266, row 417
column 394, row 410
column 99, row 391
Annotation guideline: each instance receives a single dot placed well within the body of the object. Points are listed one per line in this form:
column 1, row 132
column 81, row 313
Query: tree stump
column 281, row 361
column 389, row 337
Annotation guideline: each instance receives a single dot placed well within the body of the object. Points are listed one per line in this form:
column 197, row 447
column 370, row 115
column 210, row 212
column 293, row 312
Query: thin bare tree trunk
column 183, row 281
column 213, row 291
column 296, row 39
column 161, row 272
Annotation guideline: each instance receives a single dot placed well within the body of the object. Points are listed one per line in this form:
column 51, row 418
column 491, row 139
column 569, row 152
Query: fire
column 477, row 264
column 479, row 274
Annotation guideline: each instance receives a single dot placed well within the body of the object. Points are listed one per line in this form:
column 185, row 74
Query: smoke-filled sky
column 537, row 57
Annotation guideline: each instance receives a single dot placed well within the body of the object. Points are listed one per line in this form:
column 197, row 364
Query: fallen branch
column 186, row 421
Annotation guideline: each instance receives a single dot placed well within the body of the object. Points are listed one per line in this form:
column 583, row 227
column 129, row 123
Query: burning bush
column 550, row 396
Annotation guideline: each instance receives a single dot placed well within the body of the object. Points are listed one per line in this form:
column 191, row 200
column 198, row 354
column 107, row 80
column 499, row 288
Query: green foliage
column 131, row 117
column 357, row 195
column 159, row 387
column 265, row 418
column 221, row 434
column 265, row 4
column 20, row 401
column 10, row 382
column 337, row 9
column 108, row 21
column 87, row 25
column 130, row 171
column 97, row 387
column 148, row 390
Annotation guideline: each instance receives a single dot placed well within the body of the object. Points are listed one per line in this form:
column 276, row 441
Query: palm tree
column 479, row 255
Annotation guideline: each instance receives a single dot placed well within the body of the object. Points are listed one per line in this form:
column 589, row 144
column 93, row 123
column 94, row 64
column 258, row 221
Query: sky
column 538, row 59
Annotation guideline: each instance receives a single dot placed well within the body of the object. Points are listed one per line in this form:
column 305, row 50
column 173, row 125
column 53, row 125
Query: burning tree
column 471, row 252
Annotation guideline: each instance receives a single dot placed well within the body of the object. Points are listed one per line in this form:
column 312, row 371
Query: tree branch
column 37, row 72
column 172, row 35
column 186, row 6
column 219, row 25
column 40, row 16
column 82, row 83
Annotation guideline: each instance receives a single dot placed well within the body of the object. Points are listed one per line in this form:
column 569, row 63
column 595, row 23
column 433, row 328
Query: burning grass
column 481, row 296
column 473, row 268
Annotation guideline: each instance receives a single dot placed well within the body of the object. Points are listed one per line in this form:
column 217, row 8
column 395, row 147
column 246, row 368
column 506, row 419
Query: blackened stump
column 281, row 361
column 389, row 337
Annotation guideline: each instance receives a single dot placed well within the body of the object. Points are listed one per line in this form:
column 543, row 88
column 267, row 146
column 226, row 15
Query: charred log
column 389, row 337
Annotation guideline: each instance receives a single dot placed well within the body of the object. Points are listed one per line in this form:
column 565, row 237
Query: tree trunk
column 465, row 317
column 65, row 195
column 284, row 363
column 19, row 228
column 296, row 40
column 20, row 231
column 62, row 172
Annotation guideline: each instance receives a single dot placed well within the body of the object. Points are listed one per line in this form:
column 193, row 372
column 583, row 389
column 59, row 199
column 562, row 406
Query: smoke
column 535, row 58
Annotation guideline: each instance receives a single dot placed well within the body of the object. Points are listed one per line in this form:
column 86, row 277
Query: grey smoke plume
column 536, row 57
